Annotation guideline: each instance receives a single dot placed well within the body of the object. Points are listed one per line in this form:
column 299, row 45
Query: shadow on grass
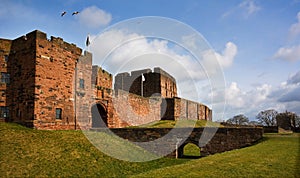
column 263, row 139
column 190, row 157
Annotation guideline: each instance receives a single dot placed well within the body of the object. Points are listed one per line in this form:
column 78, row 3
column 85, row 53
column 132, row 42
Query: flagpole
column 87, row 43
column 142, row 92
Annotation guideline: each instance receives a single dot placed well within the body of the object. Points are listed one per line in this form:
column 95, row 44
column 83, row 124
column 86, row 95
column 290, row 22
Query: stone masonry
column 150, row 83
column 51, row 84
column 164, row 144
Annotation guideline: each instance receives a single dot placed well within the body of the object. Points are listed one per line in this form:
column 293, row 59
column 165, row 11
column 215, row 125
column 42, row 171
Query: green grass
column 36, row 153
column 27, row 152
column 180, row 123
column 191, row 150
column 275, row 156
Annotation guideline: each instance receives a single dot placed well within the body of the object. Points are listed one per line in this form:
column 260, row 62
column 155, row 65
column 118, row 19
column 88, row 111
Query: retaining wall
column 166, row 140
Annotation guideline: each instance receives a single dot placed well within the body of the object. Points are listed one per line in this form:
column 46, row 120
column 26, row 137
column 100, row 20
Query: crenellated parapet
column 50, row 84
column 147, row 83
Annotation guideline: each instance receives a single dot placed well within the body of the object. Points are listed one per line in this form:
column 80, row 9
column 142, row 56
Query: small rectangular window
column 81, row 83
column 5, row 77
column 6, row 58
column 4, row 112
column 58, row 113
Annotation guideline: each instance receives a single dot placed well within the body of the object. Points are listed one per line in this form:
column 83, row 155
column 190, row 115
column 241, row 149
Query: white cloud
column 228, row 55
column 284, row 97
column 246, row 8
column 120, row 51
column 249, row 102
column 124, row 47
column 190, row 41
column 234, row 96
column 250, row 7
column 294, row 30
column 288, row 53
column 240, row 101
column 93, row 17
column 225, row 58
column 237, row 98
column 294, row 79
column 131, row 51
column 289, row 91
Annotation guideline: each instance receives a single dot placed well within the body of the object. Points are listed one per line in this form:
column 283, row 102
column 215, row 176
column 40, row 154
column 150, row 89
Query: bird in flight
column 75, row 13
column 63, row 13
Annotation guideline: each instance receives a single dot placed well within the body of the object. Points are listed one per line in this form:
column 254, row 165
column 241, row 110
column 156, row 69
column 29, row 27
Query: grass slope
column 36, row 153
column 276, row 156
column 27, row 152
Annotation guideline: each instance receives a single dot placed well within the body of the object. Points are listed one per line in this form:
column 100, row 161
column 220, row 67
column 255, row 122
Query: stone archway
column 99, row 116
column 189, row 150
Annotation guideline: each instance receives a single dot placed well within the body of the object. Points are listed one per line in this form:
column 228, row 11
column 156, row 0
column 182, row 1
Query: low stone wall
column 166, row 140
column 270, row 129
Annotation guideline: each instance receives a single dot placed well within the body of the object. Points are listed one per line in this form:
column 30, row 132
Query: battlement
column 153, row 82
column 124, row 74
column 137, row 73
column 67, row 46
column 37, row 35
column 5, row 45
column 162, row 72
column 101, row 78
column 97, row 69
column 140, row 72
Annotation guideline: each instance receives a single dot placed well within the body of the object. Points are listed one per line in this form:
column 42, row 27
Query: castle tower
column 147, row 83
column 41, row 73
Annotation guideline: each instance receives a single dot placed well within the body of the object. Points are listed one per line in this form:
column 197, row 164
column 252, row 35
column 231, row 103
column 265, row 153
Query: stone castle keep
column 50, row 84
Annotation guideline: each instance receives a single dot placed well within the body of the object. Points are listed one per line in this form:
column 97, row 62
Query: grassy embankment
column 27, row 152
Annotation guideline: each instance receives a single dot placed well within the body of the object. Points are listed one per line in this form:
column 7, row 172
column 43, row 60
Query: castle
column 49, row 84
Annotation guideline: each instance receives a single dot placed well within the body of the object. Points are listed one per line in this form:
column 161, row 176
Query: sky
column 256, row 44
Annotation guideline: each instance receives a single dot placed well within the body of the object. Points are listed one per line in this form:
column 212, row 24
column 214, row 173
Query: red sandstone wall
column 131, row 109
column 21, row 66
column 156, row 82
column 43, row 76
column 167, row 84
column 102, row 86
column 55, row 62
column 179, row 108
column 5, row 46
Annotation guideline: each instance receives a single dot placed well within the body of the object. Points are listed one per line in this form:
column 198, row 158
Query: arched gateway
column 99, row 116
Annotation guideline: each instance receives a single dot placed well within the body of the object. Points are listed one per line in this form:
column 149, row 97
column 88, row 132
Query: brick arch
column 99, row 115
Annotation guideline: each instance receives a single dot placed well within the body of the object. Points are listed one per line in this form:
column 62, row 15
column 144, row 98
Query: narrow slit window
column 81, row 83
column 6, row 58
column 58, row 113
column 5, row 78
column 4, row 112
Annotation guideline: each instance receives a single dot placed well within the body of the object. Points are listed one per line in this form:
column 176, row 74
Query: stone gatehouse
column 51, row 84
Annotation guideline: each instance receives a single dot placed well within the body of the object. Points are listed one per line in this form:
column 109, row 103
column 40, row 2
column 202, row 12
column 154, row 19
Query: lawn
column 275, row 156
column 36, row 153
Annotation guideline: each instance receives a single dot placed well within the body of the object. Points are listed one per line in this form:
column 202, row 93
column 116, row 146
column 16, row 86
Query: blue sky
column 258, row 42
